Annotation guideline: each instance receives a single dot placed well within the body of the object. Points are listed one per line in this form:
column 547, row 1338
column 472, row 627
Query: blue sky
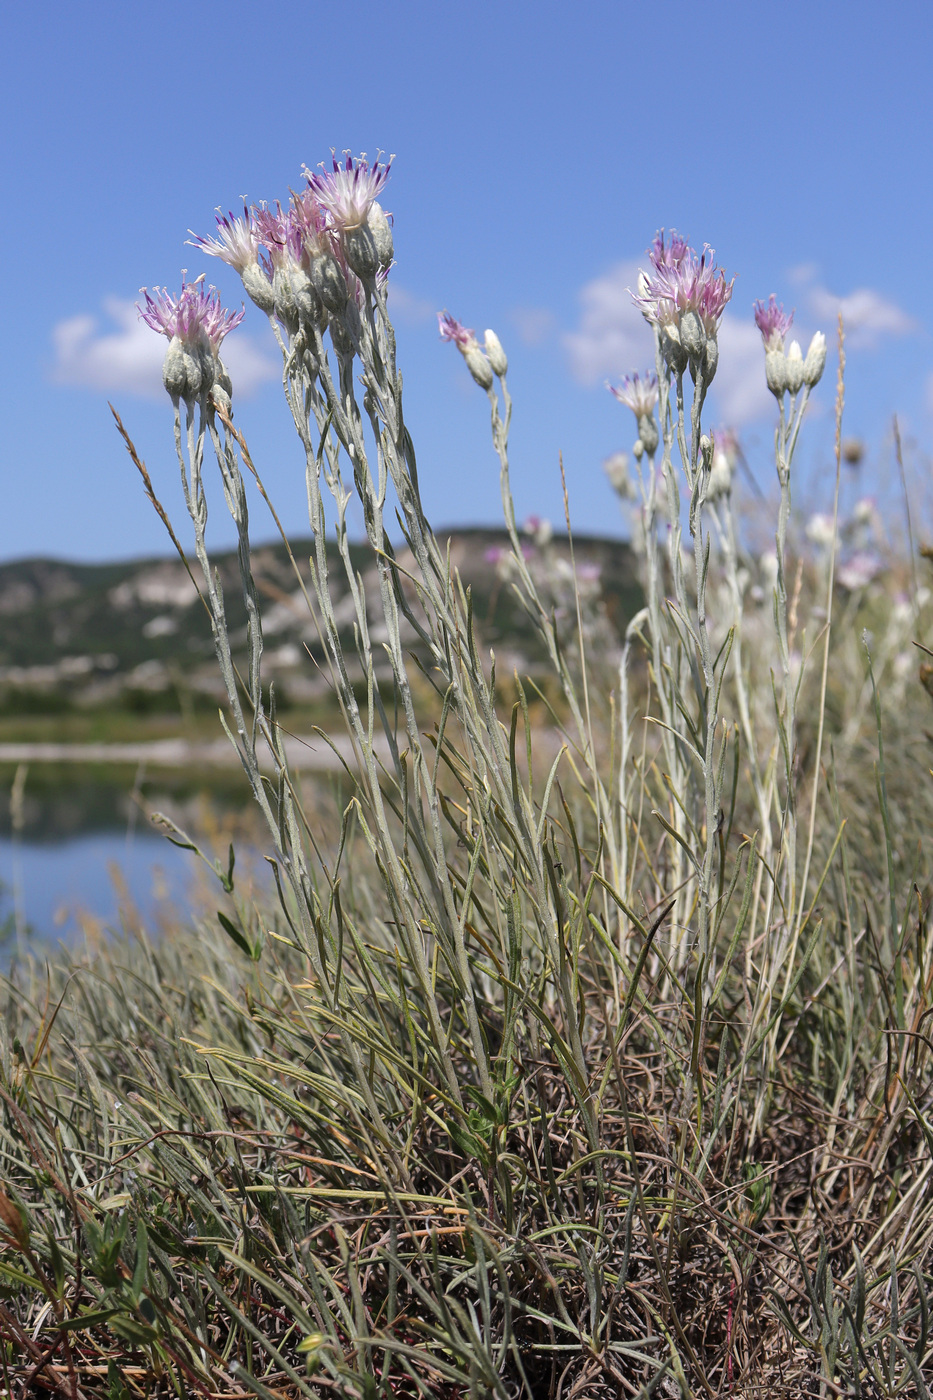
column 538, row 149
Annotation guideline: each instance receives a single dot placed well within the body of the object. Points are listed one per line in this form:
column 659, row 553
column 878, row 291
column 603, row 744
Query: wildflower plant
column 494, row 1100
column 699, row 664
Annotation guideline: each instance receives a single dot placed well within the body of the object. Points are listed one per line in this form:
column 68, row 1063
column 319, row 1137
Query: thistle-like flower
column 540, row 529
column 311, row 219
column 278, row 232
column 238, row 244
column 640, row 394
column 637, row 393
column 305, row 257
column 860, row 570
column 671, row 254
column 347, row 195
column 452, row 329
column 685, row 297
column 773, row 322
column 294, row 298
column 321, row 252
column 193, row 316
column 237, row 241
column 348, row 192
column 469, row 347
column 195, row 324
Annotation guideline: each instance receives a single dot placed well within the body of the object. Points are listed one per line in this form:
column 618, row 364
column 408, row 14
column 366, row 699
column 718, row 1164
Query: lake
column 49, row 887
column 83, row 852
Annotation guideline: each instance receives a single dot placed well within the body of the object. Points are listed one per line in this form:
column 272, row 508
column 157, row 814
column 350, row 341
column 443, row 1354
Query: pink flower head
column 773, row 323
column 236, row 243
column 714, row 292
column 683, row 282
column 540, row 530
column 195, row 314
column 637, row 393
column 348, row 191
column 355, row 286
column 465, row 340
column 668, row 255
column 281, row 234
column 859, row 571
column 725, row 441
column 310, row 217
column 450, row 329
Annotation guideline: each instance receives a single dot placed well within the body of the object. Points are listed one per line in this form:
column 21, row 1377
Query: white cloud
column 613, row 337
column 867, row 315
column 803, row 274
column 126, row 356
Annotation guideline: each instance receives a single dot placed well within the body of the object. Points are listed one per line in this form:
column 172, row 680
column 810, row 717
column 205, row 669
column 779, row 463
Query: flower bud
column 638, row 449
column 222, row 393
column 815, row 362
column 381, row 230
column 368, row 246
column 776, row 372
column 793, row 367
column 187, row 370
column 284, row 299
column 495, row 354
column 311, row 365
column 674, row 353
column 298, row 343
column 306, row 299
column 478, row 366
column 258, row 287
column 692, row 334
column 359, row 247
column 719, row 483
column 616, row 468
column 710, row 359
column 329, row 282
column 352, row 320
column 341, row 338
column 648, row 434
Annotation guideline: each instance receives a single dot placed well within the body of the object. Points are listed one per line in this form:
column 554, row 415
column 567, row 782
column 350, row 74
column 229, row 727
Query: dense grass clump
column 586, row 1049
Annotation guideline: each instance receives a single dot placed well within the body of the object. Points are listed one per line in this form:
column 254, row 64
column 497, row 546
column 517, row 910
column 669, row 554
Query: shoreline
column 312, row 752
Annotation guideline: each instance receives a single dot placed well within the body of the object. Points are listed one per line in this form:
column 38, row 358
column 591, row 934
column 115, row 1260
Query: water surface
column 52, row 887
column 83, row 855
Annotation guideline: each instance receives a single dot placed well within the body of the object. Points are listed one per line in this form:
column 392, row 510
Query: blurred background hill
column 134, row 636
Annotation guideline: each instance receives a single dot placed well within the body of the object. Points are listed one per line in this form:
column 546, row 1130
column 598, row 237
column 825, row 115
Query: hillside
column 134, row 635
